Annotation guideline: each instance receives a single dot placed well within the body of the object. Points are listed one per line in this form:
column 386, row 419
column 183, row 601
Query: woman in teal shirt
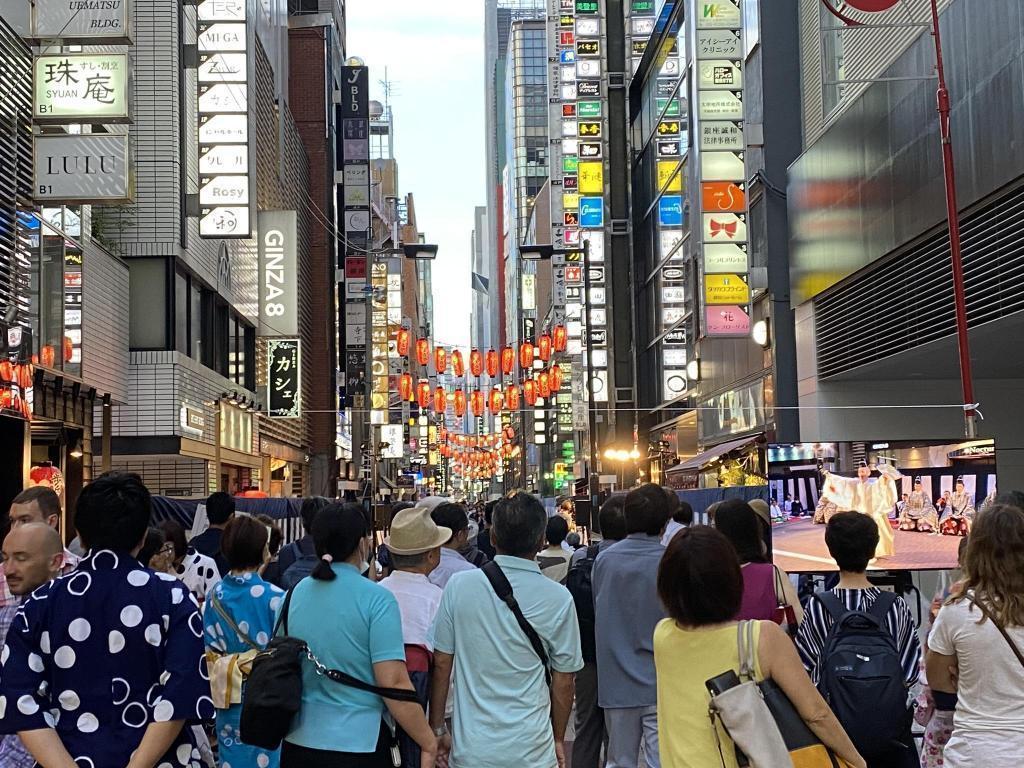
column 353, row 625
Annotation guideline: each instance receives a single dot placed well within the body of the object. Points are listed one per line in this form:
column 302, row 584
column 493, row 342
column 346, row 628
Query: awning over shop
column 703, row 459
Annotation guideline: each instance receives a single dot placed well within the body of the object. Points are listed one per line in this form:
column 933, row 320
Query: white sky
column 434, row 54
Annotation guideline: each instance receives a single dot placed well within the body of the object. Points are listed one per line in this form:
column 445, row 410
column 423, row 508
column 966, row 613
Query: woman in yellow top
column 701, row 586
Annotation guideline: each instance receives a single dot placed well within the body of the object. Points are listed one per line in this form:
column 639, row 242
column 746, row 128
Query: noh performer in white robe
column 875, row 497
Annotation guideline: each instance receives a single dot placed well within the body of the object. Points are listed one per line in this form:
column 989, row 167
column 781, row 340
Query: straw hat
column 413, row 532
column 760, row 507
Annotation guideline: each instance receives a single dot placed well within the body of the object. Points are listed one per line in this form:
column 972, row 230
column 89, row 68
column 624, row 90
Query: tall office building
column 498, row 18
column 482, row 334
column 710, row 234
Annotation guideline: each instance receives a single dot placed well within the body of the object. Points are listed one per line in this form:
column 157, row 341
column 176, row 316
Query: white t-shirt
column 988, row 726
column 418, row 601
column 671, row 530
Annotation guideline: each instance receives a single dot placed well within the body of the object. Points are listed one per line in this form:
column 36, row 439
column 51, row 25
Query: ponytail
column 337, row 532
column 323, row 570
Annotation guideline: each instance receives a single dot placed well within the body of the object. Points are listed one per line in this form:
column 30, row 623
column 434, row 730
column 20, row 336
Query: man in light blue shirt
column 453, row 517
column 505, row 714
column 626, row 611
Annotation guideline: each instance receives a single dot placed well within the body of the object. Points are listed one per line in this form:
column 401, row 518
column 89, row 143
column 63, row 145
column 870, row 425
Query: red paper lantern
column 423, row 394
column 7, row 371
column 496, row 401
column 559, row 338
column 530, row 392
column 512, row 397
column 508, row 360
column 492, row 363
column 440, row 400
column 526, row 356
column 544, row 384
column 69, row 349
column 403, row 342
column 544, row 347
column 476, row 402
column 48, row 355
column 459, row 401
column 24, row 375
column 458, row 366
column 442, row 435
column 440, row 359
column 6, row 399
column 405, row 389
column 476, row 362
column 555, row 378
column 422, row 351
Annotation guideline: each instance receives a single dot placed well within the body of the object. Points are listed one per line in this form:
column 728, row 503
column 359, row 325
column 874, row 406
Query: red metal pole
column 952, row 211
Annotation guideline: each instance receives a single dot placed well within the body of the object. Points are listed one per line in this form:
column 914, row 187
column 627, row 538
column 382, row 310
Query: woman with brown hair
column 701, row 587
column 976, row 646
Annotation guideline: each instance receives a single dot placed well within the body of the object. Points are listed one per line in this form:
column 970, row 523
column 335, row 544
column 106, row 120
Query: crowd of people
column 490, row 638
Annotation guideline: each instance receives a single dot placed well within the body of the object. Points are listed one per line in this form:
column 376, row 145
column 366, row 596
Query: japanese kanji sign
column 72, row 87
column 284, row 380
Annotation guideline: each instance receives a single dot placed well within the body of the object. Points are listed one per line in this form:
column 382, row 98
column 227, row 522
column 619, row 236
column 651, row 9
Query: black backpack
column 580, row 585
column 305, row 560
column 273, row 690
column 862, row 678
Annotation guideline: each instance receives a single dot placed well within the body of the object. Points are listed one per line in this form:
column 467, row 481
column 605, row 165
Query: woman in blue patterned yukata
column 104, row 666
column 239, row 619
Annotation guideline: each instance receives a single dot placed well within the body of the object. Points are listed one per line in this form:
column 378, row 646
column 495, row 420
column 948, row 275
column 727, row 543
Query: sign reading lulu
column 82, row 21
column 81, row 168
column 284, row 379
column 225, row 187
column 723, row 202
column 279, row 314
column 81, row 87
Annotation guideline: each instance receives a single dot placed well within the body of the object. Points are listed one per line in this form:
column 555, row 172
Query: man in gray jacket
column 626, row 611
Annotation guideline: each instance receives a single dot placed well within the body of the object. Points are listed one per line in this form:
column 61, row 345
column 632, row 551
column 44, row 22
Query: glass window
column 751, row 25
column 181, row 307
column 195, row 320
column 147, row 303
column 833, row 70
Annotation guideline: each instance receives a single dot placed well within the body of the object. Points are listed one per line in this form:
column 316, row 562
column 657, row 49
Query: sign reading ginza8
column 225, row 199
column 726, row 295
column 81, row 87
column 279, row 315
column 284, row 379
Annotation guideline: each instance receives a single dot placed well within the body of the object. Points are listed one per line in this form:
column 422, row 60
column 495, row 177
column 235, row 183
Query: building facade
column 710, row 235
column 871, row 275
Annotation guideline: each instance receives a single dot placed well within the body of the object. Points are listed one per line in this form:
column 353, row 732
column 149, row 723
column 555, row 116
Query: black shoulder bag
column 273, row 690
column 500, row 583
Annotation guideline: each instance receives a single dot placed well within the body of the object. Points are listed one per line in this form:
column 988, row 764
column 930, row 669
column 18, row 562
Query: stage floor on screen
column 799, row 547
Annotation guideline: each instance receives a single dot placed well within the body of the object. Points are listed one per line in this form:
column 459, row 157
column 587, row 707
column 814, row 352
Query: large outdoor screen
column 923, row 495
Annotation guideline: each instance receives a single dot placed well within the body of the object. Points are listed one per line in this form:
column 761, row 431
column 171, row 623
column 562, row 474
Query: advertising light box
column 81, row 168
column 90, row 23
column 77, row 87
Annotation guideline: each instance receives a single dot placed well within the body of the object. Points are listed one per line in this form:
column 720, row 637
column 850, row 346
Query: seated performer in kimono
column 876, row 498
column 918, row 513
column 961, row 507
column 824, row 511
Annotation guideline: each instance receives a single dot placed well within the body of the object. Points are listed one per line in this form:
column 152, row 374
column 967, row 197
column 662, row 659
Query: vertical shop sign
column 225, row 186
column 284, row 379
column 725, row 295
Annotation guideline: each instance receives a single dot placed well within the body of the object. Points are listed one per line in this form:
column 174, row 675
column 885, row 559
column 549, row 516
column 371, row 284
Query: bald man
column 33, row 555
column 35, row 505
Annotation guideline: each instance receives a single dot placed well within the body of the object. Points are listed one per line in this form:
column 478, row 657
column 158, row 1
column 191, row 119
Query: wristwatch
column 440, row 731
